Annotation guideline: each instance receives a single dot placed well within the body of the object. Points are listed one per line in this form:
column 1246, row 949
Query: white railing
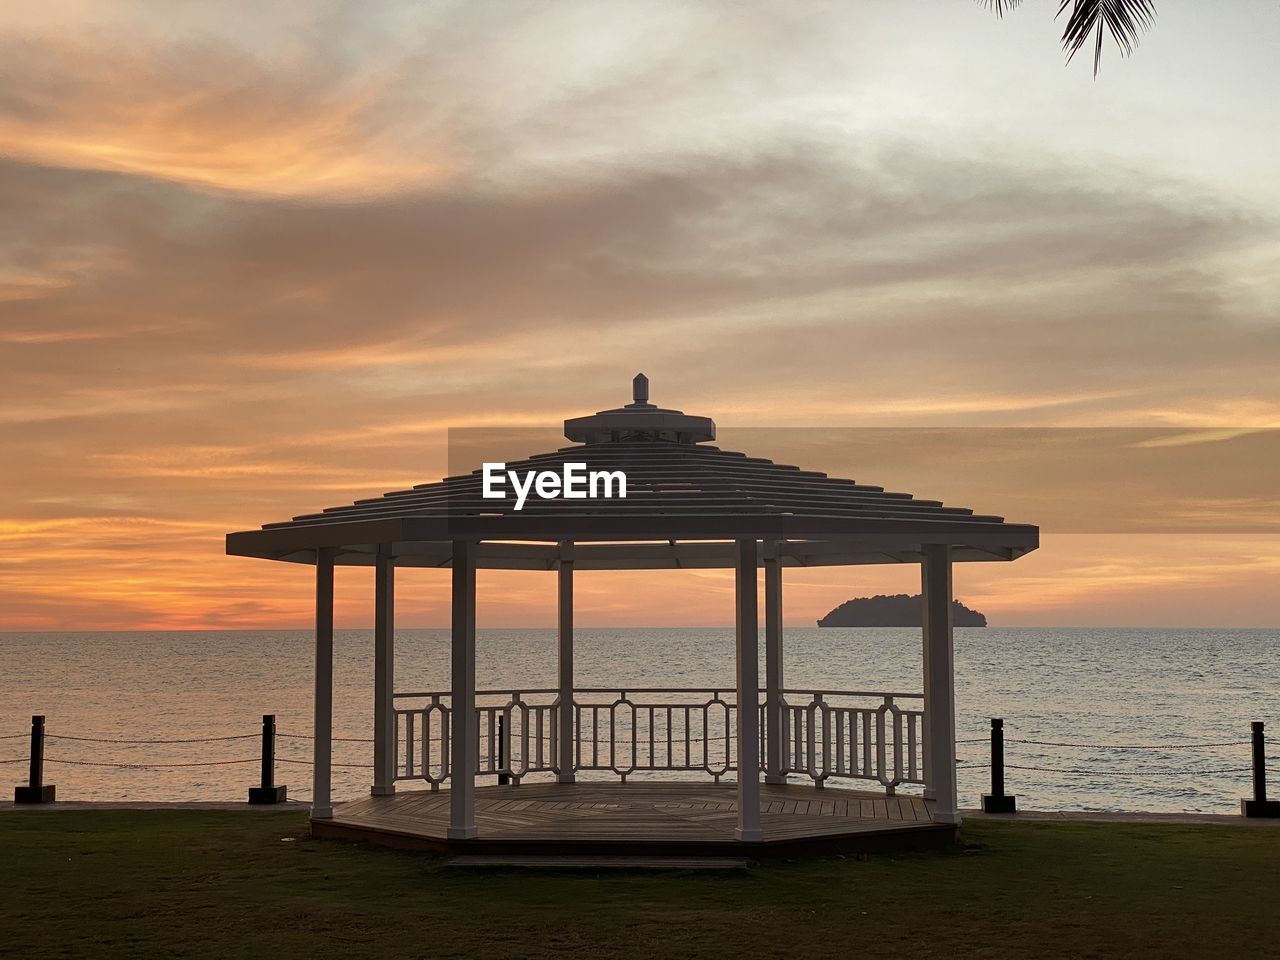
column 655, row 728
column 518, row 731
column 826, row 734
column 854, row 734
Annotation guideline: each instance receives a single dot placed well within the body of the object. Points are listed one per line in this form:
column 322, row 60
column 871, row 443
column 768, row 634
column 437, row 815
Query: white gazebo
column 578, row 768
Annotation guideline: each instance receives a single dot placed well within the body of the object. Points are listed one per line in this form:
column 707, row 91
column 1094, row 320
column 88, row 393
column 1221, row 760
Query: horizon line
column 552, row 627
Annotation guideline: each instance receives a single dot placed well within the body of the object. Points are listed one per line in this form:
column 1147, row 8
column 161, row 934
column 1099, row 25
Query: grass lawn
column 141, row 884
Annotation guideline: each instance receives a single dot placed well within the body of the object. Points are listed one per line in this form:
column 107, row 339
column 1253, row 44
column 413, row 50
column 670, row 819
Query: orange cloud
column 259, row 128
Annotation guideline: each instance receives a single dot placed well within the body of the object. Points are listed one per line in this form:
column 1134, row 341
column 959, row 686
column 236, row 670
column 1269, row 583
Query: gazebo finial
column 640, row 389
column 640, row 420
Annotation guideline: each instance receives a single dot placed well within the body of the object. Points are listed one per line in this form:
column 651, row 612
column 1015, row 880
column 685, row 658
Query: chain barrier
column 1130, row 746
column 137, row 765
column 147, row 766
column 999, row 741
column 1126, row 773
column 63, row 736
column 309, row 763
column 623, row 741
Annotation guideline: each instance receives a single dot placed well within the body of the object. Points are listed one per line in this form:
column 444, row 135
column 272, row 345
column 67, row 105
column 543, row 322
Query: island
column 899, row 610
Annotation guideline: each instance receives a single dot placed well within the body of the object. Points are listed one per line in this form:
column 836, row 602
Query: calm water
column 1103, row 687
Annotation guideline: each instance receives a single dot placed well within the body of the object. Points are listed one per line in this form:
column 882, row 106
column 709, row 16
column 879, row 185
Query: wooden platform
column 647, row 818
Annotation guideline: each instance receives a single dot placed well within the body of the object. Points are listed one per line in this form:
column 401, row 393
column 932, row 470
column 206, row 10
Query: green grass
column 142, row 884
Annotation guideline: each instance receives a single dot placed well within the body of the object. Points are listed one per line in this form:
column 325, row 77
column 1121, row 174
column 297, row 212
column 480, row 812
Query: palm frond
column 1125, row 20
column 1000, row 6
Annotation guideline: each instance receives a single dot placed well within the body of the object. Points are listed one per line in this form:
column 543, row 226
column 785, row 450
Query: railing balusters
column 911, row 746
column 553, row 714
column 785, row 737
column 635, row 734
column 881, row 756
column 671, row 760
column 897, row 741
column 503, row 759
column 829, row 734
column 577, row 740
column 810, row 740
column 794, row 751
column 395, row 743
column 688, row 760
column 519, row 765
column 826, row 738
column 595, row 736
column 762, row 728
column 709, row 740
column 444, row 746
column 538, row 736
column 408, row 727
column 651, row 722
column 854, row 769
column 840, row 718
column 867, row 772
column 613, row 739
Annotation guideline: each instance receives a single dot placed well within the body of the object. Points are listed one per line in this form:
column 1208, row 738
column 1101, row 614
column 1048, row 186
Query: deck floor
column 671, row 814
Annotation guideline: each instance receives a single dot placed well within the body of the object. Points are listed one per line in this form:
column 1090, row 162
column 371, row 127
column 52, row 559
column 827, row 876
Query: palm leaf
column 1125, row 20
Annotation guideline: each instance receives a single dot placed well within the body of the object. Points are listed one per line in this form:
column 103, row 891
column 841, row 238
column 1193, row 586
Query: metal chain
column 62, row 736
column 299, row 736
column 309, row 763
column 148, row 766
column 1125, row 773
column 1129, row 746
column 622, row 741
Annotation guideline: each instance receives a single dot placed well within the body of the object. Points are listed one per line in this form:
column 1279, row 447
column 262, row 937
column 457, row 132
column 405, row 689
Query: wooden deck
column 652, row 818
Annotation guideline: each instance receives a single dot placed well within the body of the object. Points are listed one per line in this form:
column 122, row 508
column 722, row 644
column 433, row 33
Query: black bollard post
column 267, row 791
column 503, row 778
column 1259, row 806
column 36, row 790
column 997, row 801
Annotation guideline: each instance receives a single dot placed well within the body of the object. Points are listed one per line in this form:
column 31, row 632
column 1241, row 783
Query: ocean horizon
column 1144, row 719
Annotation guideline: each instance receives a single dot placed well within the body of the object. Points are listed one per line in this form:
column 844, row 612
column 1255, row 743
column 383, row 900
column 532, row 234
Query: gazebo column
column 322, row 742
column 773, row 673
column 939, row 682
column 926, row 731
column 464, row 746
column 748, row 657
column 384, row 672
column 564, row 667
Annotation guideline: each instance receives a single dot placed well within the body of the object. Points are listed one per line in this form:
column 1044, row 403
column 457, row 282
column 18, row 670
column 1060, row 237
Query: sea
column 1121, row 719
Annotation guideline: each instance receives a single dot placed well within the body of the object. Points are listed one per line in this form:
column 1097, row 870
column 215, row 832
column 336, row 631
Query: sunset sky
column 256, row 259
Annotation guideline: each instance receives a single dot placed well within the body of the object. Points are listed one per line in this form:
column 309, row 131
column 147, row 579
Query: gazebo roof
column 686, row 502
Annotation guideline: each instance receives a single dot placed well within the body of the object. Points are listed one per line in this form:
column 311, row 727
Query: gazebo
column 572, row 768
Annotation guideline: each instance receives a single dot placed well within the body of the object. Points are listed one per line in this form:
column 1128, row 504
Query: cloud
column 206, row 113
column 346, row 101
column 245, row 274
